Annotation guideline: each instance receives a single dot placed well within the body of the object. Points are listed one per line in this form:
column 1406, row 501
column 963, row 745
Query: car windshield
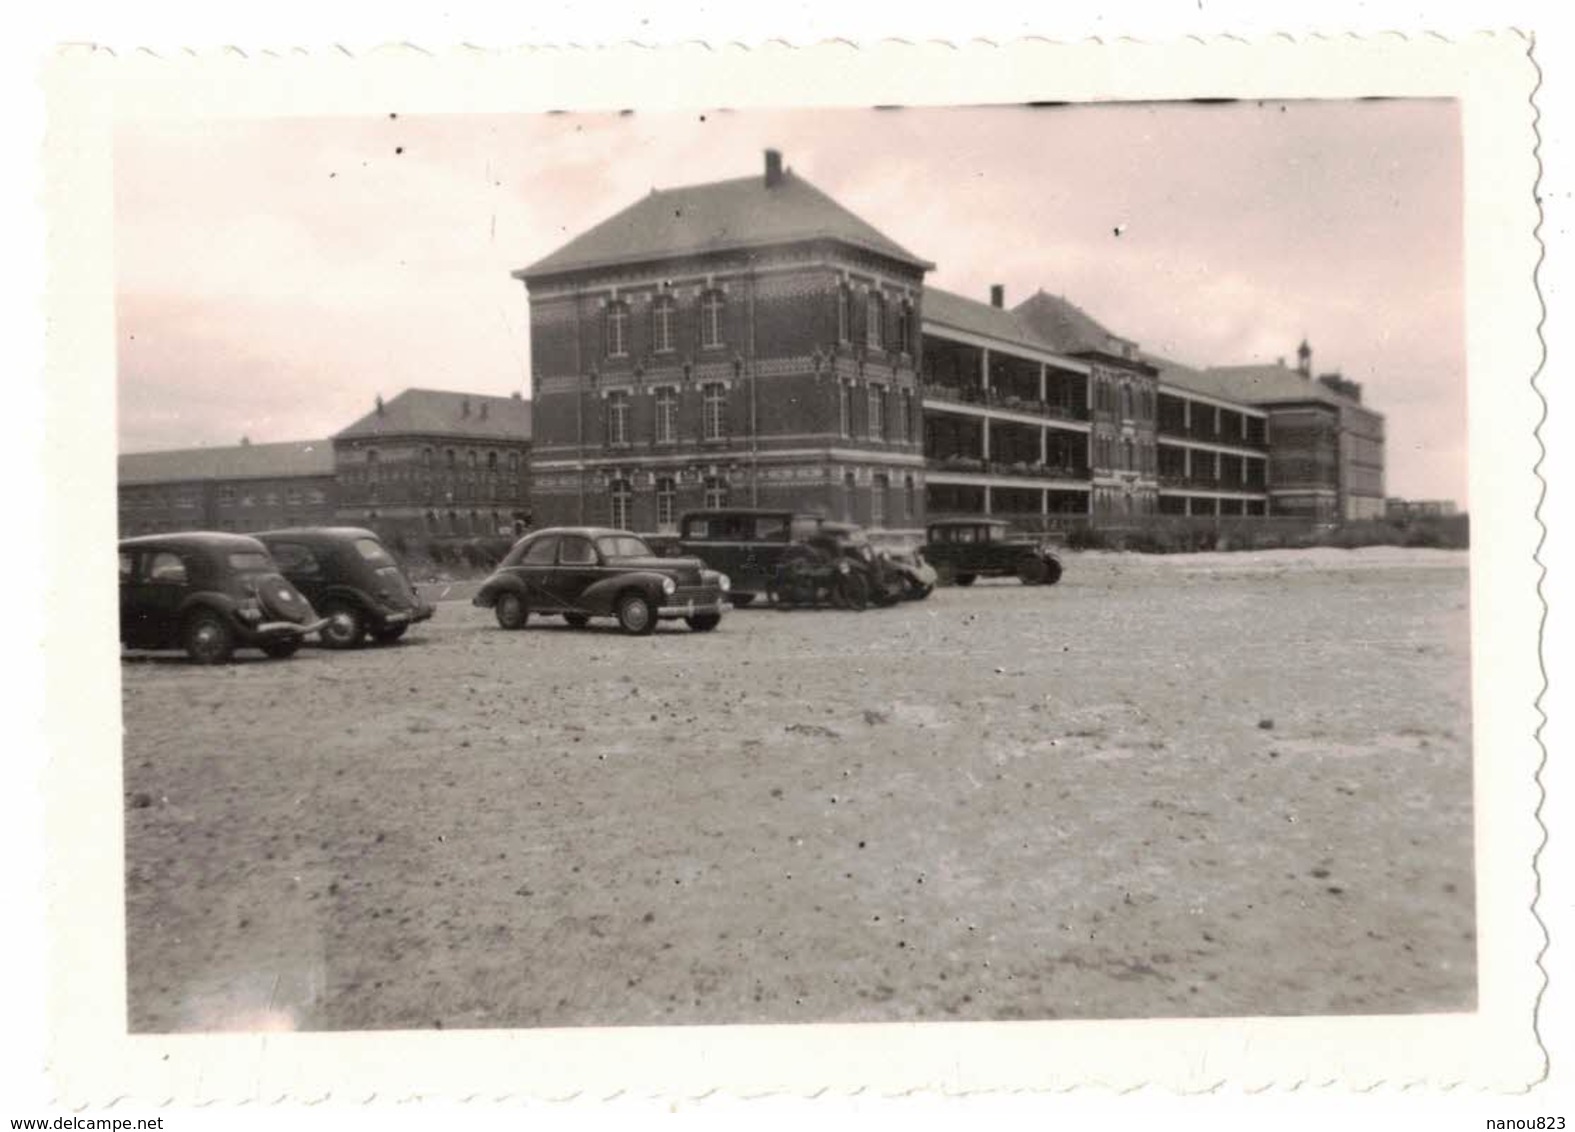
column 251, row 562
column 622, row 546
column 373, row 552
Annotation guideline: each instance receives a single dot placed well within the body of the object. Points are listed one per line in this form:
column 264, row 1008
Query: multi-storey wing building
column 434, row 463
column 1006, row 417
column 1213, row 452
column 427, row 463
column 240, row 487
column 748, row 342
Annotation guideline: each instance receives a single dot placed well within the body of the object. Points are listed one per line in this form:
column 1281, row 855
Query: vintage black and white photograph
column 969, row 563
column 716, row 572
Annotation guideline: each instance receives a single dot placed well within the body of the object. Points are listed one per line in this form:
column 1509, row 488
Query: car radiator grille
column 696, row 594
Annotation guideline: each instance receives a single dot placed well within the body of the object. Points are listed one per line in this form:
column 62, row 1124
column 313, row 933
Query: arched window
column 492, row 461
column 617, row 417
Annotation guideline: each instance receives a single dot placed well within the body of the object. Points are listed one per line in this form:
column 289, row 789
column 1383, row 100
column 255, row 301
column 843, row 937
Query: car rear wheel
column 1031, row 571
column 966, row 579
column 388, row 634
column 207, row 639
column 576, row 620
column 510, row 610
column 1052, row 572
column 741, row 600
column 282, row 650
column 635, row 614
column 853, row 590
column 704, row 622
column 346, row 626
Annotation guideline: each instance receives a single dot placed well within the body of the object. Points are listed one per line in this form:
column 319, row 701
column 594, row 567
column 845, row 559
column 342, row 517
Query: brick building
column 745, row 342
column 241, row 487
column 433, row 463
column 427, row 463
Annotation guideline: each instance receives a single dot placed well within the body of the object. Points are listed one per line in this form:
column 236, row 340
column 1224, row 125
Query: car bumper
column 696, row 608
column 408, row 616
column 283, row 630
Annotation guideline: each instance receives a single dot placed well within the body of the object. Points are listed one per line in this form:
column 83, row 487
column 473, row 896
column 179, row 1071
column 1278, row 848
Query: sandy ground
column 1196, row 785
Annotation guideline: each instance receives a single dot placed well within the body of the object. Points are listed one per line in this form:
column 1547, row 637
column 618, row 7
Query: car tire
column 346, row 626
column 1031, row 571
column 388, row 634
column 576, row 620
column 918, row 591
column 1052, row 572
column 704, row 622
column 510, row 610
column 945, row 575
column 208, row 639
column 853, row 591
column 636, row 614
column 741, row 600
column 282, row 650
column 966, row 579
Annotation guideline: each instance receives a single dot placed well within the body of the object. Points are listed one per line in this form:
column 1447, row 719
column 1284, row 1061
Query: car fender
column 353, row 594
column 599, row 597
column 487, row 595
column 220, row 603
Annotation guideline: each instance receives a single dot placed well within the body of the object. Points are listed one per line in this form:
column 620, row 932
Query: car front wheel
column 388, row 634
column 208, row 640
column 1052, row 572
column 966, row 579
column 510, row 611
column 704, row 622
column 1031, row 571
column 346, row 626
column 635, row 614
column 854, row 591
column 282, row 650
column 576, row 620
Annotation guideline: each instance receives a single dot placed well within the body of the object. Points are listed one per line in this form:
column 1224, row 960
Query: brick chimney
column 997, row 296
column 379, row 404
column 1304, row 359
column 773, row 168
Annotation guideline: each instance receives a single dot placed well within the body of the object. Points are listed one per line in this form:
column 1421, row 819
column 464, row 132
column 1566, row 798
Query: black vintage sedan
column 352, row 579
column 962, row 550
column 583, row 572
column 209, row 593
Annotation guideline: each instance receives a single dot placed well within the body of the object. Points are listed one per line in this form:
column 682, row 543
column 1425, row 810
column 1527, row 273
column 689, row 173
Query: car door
column 128, row 575
column 579, row 567
column 300, row 566
column 158, row 586
column 536, row 569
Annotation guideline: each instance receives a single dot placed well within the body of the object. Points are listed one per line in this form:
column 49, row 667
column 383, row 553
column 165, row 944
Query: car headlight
column 842, row 567
column 724, row 582
column 669, row 587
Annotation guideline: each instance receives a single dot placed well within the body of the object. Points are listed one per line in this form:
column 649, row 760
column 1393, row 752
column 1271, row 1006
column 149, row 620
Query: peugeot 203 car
column 350, row 578
column 209, row 593
column 962, row 550
column 583, row 572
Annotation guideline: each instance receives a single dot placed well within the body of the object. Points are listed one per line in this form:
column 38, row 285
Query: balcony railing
column 1207, row 435
column 1209, row 483
column 1025, row 469
column 997, row 399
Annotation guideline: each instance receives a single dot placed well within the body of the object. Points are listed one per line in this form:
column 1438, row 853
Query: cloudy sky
column 273, row 276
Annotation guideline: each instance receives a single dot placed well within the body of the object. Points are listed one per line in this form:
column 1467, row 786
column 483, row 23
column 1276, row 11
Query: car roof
column 194, row 540
column 994, row 522
column 319, row 534
column 588, row 532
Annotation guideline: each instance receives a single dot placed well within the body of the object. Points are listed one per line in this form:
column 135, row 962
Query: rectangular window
column 715, row 493
column 844, row 314
column 878, row 501
column 904, row 328
column 711, row 304
column 666, row 416
column 617, row 417
column 875, row 321
column 713, row 407
column 664, row 319
column 877, row 421
column 845, row 408
column 619, row 497
column 617, row 330
column 666, row 502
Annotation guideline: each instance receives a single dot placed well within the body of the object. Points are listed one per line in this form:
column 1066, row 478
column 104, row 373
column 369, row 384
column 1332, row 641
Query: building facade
column 428, row 463
column 434, row 464
column 241, row 487
column 744, row 343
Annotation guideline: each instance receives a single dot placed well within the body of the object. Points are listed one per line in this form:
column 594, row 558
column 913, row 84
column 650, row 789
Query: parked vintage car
column 209, row 593
column 836, row 565
column 583, row 572
column 906, row 554
column 350, row 578
column 962, row 550
column 748, row 544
